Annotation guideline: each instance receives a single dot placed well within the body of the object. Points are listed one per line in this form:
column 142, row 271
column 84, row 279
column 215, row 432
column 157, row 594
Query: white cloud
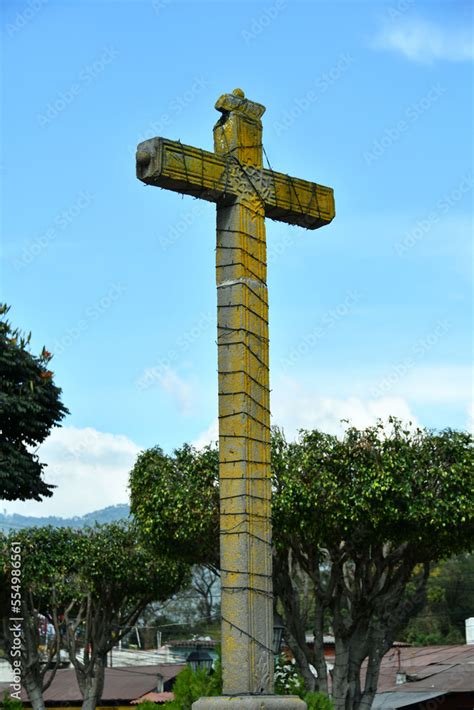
column 321, row 399
column 441, row 384
column 177, row 387
column 90, row 469
column 422, row 41
column 209, row 436
column 299, row 405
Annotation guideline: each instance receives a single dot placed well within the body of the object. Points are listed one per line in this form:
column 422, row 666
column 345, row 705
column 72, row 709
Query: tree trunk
column 32, row 677
column 350, row 654
column 371, row 681
column 287, row 593
column 318, row 648
column 33, row 687
column 339, row 675
column 320, row 663
column 302, row 662
column 92, row 686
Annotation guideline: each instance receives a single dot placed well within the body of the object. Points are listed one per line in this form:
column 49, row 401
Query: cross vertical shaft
column 234, row 178
column 244, row 414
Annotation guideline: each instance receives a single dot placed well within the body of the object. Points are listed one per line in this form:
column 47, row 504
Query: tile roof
column 154, row 698
column 124, row 684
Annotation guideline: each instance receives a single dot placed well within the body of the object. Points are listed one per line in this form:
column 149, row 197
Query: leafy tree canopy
column 192, row 684
column 105, row 563
column 403, row 487
column 450, row 601
column 362, row 516
column 30, row 406
column 91, row 584
column 414, row 488
column 175, row 499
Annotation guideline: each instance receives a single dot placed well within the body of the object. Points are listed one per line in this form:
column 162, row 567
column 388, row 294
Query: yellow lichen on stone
column 245, row 193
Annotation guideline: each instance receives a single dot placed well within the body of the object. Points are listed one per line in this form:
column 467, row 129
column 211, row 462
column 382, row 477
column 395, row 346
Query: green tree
column 318, row 701
column 10, row 703
column 40, row 595
column 191, row 685
column 117, row 577
column 373, row 510
column 92, row 584
column 450, row 601
column 193, row 610
column 363, row 517
column 30, row 406
column 287, row 679
column 184, row 489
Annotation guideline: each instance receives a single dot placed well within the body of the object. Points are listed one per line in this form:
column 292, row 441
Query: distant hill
column 106, row 515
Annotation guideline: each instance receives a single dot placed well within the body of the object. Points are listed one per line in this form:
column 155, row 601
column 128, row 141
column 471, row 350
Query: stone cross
column 245, row 193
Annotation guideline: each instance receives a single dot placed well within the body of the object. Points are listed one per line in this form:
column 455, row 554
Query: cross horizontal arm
column 182, row 168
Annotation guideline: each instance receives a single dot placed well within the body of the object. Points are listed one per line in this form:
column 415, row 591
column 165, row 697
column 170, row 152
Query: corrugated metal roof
column 329, row 640
column 401, row 699
column 429, row 668
column 183, row 643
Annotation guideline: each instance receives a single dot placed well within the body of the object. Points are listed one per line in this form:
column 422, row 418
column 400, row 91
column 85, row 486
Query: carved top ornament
column 237, row 103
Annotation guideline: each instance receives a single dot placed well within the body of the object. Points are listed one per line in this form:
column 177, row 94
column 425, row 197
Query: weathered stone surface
column 252, row 702
column 244, row 412
column 234, row 178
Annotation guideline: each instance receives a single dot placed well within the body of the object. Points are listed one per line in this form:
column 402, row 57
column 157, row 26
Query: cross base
column 250, row 702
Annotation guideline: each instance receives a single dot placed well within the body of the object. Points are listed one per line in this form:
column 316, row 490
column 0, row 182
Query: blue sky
column 371, row 315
